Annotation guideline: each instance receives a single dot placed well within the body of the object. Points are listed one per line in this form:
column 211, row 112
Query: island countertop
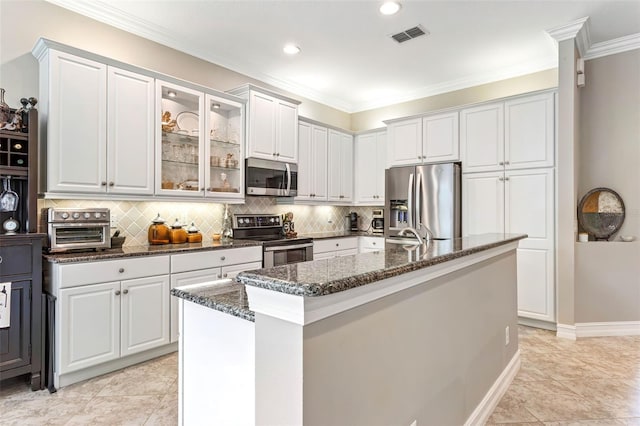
column 327, row 276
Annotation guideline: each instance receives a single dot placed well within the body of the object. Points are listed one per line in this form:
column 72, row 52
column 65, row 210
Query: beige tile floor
column 593, row 382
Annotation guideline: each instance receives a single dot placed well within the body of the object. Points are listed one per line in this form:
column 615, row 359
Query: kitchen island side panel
column 429, row 353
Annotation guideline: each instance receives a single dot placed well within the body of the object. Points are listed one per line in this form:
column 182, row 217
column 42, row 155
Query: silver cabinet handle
column 125, row 291
column 117, row 292
column 0, row 259
column 111, row 184
column 121, row 270
column 223, row 258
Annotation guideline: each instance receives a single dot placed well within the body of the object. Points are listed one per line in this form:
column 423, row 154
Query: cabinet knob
column 223, row 258
column 506, row 163
column 225, row 275
column 117, row 292
column 337, row 244
column 500, row 179
column 374, row 243
column 277, row 154
column 103, row 183
column 125, row 291
column 273, row 155
column 501, row 163
column 219, row 276
column 111, row 184
column 121, row 270
column 507, row 178
column 0, row 259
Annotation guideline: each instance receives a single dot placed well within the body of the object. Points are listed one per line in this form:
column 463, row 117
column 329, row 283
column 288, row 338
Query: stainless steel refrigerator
column 424, row 197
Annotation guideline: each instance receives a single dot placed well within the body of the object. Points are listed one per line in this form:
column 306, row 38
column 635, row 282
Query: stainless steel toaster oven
column 77, row 229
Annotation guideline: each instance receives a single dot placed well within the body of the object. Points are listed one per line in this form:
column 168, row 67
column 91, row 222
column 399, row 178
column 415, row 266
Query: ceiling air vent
column 409, row 34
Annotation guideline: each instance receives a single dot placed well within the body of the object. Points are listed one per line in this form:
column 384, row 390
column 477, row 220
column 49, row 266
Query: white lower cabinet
column 519, row 202
column 370, row 244
column 109, row 310
column 207, row 266
column 334, row 247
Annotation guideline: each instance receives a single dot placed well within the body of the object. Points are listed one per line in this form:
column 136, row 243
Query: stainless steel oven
column 265, row 177
column 276, row 253
column 77, row 229
column 268, row 229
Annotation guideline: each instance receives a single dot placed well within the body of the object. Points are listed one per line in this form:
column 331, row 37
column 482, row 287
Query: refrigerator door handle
column 418, row 205
column 409, row 201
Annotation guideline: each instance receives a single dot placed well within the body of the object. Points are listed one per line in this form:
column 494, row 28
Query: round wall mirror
column 601, row 213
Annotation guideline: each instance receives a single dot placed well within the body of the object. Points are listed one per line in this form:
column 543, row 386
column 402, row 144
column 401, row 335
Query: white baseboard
column 599, row 329
column 491, row 399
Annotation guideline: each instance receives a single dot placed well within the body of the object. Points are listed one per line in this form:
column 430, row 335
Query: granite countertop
column 339, row 234
column 225, row 296
column 327, row 276
column 134, row 251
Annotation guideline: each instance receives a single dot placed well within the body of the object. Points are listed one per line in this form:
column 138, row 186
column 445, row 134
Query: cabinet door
column 89, row 328
column 77, row 125
column 287, row 132
column 482, row 138
column 144, row 314
column 340, row 167
column 262, row 126
column 325, row 255
column 130, row 136
column 15, row 340
column 529, row 132
column 366, row 176
column 305, row 162
column 320, row 162
column 224, row 157
column 440, row 137
column 483, row 203
column 529, row 199
column 180, row 132
column 405, row 142
column 182, row 279
column 381, row 165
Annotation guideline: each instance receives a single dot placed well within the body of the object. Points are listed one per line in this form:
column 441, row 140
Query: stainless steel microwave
column 266, row 177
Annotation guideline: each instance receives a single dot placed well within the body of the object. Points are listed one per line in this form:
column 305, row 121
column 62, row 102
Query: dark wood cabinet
column 21, row 343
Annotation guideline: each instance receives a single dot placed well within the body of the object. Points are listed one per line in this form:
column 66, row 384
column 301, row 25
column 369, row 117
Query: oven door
column 74, row 236
column 285, row 254
column 265, row 177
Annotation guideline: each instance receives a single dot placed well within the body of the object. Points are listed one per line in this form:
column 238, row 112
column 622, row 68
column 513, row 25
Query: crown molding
column 611, row 47
column 573, row 30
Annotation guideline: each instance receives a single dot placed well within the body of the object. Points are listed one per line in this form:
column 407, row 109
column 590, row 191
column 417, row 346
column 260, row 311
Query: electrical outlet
column 506, row 336
column 114, row 220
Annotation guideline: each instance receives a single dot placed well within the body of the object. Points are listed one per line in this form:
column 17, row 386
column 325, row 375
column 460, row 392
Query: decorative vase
column 5, row 111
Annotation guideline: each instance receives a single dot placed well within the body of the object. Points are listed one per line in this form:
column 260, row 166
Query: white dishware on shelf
column 627, row 238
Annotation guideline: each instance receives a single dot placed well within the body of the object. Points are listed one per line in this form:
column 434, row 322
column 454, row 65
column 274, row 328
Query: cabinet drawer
column 112, row 270
column 15, row 260
column 333, row 244
column 372, row 243
column 214, row 258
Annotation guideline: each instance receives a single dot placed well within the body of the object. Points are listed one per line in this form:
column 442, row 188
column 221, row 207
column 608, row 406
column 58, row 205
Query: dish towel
column 5, row 304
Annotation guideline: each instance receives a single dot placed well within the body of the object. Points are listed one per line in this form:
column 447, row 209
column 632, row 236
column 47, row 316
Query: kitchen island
column 424, row 334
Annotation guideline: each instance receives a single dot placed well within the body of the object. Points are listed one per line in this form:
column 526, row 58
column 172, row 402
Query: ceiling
column 348, row 60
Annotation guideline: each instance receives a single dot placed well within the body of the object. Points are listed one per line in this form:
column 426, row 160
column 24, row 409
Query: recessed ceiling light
column 291, row 49
column 389, row 8
column 171, row 94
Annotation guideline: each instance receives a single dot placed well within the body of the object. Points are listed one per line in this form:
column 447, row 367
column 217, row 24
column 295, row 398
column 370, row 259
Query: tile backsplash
column 134, row 217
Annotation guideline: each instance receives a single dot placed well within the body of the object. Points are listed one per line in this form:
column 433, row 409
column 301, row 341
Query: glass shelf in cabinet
column 227, row 190
column 178, row 137
column 234, row 145
column 225, row 168
column 186, row 163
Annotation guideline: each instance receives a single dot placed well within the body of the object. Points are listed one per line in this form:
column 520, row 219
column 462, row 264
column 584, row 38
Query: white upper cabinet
column 340, row 167
column 272, row 124
column 515, row 134
column 130, row 132
column 370, row 159
column 428, row 139
column 440, row 138
column 482, row 138
column 74, row 99
column 529, row 132
column 312, row 167
column 405, row 142
column 99, row 127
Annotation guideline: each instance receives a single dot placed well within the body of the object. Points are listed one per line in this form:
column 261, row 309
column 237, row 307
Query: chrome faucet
column 403, row 232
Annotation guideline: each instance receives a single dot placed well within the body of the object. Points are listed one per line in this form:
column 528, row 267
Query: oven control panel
column 78, row 215
column 256, row 221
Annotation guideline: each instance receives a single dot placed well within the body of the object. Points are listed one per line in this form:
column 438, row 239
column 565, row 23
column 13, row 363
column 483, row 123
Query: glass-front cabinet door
column 179, row 168
column 224, row 170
